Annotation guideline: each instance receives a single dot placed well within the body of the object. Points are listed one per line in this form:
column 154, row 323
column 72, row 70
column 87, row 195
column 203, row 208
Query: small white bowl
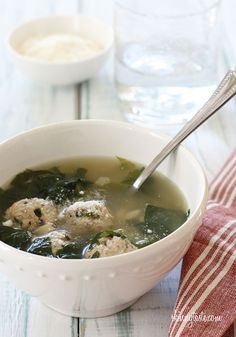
column 61, row 73
column 99, row 287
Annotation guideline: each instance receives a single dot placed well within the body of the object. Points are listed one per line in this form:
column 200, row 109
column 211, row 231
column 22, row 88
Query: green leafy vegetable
column 41, row 246
column 132, row 176
column 50, row 184
column 133, row 171
column 67, row 186
column 42, row 177
column 70, row 251
column 163, row 221
column 158, row 223
column 106, row 234
column 15, row 237
column 95, row 255
column 126, row 164
column 28, row 184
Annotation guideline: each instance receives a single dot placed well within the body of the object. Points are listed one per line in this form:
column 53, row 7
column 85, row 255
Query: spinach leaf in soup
column 68, row 187
column 36, row 183
column 41, row 246
column 29, row 184
column 163, row 221
column 158, row 223
column 109, row 233
column 18, row 238
column 132, row 176
column 126, row 164
column 51, row 184
column 132, row 170
column 70, row 251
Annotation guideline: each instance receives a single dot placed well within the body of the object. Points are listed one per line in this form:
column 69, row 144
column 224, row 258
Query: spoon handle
column 223, row 93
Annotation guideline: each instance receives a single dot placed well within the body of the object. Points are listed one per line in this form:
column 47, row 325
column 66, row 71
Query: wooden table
column 23, row 105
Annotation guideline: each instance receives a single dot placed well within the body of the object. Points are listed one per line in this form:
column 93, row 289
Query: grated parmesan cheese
column 59, row 48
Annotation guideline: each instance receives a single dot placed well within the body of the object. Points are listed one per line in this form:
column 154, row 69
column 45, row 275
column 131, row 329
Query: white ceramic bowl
column 63, row 73
column 99, row 287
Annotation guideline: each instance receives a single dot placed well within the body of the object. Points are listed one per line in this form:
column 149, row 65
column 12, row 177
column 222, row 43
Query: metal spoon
column 223, row 93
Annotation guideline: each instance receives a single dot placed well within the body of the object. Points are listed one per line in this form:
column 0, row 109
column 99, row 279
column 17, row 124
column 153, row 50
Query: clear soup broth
column 85, row 208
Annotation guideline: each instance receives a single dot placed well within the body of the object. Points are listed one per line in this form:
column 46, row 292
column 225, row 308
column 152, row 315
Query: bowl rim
column 121, row 257
column 35, row 61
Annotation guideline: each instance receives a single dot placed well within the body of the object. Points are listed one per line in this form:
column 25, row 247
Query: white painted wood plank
column 13, row 310
column 42, row 321
column 23, row 105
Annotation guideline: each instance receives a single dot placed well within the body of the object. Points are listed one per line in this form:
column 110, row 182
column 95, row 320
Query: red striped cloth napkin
column 206, row 302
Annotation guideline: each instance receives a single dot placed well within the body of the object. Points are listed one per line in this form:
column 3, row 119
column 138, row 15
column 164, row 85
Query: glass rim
column 119, row 3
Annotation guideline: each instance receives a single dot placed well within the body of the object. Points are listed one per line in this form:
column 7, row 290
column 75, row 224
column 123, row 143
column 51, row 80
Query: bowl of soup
column 72, row 230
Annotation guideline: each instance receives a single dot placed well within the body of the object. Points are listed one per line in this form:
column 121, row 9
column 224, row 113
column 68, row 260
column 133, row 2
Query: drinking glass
column 166, row 58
